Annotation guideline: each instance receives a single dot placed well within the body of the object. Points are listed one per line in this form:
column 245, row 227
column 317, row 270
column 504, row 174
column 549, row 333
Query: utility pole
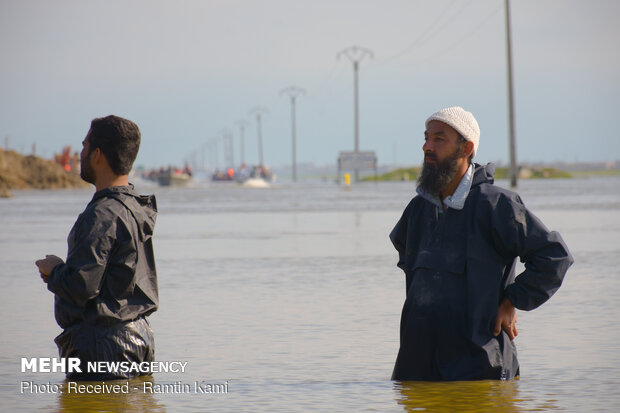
column 511, row 115
column 242, row 124
column 293, row 92
column 213, row 144
column 356, row 54
column 203, row 149
column 194, row 162
column 258, row 111
column 229, row 157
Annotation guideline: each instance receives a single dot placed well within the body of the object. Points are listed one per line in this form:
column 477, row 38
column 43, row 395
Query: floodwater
column 288, row 299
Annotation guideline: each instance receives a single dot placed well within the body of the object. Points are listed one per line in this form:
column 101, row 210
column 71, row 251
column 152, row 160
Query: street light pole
column 258, row 111
column 293, row 92
column 356, row 54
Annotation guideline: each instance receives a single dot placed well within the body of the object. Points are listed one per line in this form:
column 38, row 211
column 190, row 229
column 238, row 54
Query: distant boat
column 257, row 177
column 173, row 178
column 255, row 183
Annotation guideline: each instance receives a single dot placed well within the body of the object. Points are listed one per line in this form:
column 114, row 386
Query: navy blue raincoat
column 459, row 266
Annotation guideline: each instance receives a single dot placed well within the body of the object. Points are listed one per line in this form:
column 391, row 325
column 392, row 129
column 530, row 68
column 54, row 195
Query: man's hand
column 47, row 264
column 507, row 319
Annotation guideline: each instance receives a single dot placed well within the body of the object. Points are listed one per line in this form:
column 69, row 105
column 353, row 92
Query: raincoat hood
column 143, row 208
column 483, row 174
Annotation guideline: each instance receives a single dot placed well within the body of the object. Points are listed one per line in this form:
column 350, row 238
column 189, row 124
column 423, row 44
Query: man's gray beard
column 436, row 177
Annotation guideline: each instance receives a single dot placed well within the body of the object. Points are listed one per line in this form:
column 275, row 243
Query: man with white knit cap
column 458, row 241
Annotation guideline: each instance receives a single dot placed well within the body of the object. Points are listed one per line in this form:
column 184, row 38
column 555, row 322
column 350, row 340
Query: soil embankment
column 31, row 172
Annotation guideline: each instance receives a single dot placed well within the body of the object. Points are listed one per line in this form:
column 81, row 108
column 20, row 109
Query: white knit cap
column 462, row 121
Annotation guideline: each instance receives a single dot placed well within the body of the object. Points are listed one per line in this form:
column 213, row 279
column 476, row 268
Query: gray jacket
column 109, row 276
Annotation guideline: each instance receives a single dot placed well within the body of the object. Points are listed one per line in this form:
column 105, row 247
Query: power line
column 438, row 29
column 327, row 79
column 426, row 35
column 461, row 39
column 419, row 39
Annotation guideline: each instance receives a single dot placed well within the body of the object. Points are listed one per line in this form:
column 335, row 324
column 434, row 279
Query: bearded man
column 108, row 285
column 458, row 241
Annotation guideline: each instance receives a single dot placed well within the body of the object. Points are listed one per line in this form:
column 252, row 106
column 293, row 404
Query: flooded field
column 290, row 298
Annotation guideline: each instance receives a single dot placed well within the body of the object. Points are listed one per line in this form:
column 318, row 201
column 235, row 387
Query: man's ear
column 469, row 148
column 97, row 155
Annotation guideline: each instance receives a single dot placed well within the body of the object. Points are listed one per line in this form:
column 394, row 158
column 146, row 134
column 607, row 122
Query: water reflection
column 462, row 396
column 135, row 400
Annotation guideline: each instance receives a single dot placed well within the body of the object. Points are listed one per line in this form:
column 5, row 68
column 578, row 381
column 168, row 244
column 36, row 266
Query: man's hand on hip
column 506, row 319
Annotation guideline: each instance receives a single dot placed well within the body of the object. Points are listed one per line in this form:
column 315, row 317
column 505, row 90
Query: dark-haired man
column 108, row 285
column 458, row 241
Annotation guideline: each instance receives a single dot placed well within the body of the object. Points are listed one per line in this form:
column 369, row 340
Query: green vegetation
column 533, row 173
column 602, row 172
column 402, row 174
column 407, row 174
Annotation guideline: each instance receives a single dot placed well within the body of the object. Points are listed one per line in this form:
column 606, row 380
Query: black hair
column 118, row 139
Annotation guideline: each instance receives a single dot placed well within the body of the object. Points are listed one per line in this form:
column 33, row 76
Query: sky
column 187, row 71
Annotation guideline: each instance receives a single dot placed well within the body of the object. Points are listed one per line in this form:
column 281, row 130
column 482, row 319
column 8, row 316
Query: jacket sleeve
column 92, row 240
column 518, row 232
column 398, row 236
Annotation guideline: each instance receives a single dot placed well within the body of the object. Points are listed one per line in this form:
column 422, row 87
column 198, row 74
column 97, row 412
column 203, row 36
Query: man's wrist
column 509, row 295
column 50, row 276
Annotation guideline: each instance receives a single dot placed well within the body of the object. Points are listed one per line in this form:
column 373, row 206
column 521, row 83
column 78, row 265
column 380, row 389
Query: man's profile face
column 443, row 154
column 87, row 173
column 441, row 141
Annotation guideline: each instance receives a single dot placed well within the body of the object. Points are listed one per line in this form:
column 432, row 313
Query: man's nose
column 427, row 147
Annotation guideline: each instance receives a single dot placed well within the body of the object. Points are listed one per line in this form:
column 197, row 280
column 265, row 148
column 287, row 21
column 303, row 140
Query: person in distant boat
column 108, row 285
column 457, row 242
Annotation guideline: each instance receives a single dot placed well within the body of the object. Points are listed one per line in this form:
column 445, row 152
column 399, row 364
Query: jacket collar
column 124, row 189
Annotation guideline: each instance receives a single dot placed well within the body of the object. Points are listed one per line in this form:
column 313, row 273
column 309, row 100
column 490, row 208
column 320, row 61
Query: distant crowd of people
column 69, row 162
column 244, row 173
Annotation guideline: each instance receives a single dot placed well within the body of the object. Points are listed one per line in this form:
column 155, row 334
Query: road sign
column 351, row 161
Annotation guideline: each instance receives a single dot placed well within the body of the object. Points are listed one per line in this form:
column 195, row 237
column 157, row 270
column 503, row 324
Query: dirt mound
column 30, row 172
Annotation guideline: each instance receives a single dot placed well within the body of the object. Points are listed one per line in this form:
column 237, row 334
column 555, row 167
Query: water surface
column 290, row 295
